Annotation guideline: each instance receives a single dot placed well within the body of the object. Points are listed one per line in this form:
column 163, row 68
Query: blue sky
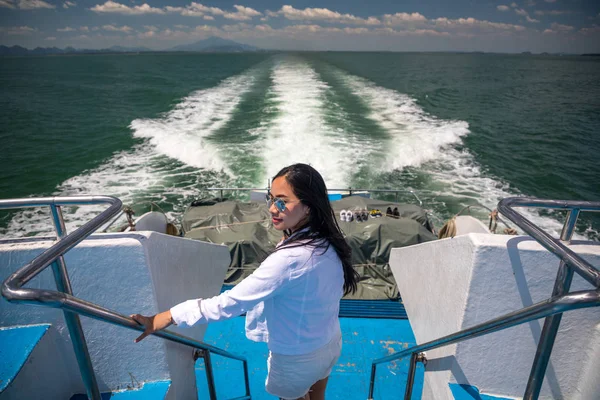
column 571, row 26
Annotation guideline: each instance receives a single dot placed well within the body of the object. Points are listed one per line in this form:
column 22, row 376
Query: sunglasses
column 279, row 203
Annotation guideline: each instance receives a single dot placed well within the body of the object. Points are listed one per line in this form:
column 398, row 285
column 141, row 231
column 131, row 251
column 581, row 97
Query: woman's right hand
column 152, row 324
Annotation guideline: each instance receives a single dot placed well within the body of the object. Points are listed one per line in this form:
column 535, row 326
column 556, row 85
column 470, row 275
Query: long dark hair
column 309, row 187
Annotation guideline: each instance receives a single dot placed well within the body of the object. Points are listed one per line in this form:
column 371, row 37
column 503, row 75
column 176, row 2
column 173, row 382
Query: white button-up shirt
column 292, row 301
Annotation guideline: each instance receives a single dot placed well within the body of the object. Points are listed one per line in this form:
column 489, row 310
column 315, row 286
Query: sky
column 570, row 26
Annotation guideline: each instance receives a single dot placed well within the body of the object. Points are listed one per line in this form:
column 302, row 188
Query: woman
column 292, row 299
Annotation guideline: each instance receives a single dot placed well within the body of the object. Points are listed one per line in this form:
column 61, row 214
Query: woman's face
column 295, row 214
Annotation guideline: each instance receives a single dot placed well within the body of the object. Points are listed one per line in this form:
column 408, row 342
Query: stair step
column 149, row 390
column 16, row 344
column 468, row 392
column 364, row 339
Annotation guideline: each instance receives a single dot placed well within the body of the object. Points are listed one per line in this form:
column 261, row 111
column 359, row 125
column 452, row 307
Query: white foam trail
column 181, row 133
column 143, row 174
column 421, row 140
column 416, row 137
column 299, row 133
column 137, row 176
column 462, row 178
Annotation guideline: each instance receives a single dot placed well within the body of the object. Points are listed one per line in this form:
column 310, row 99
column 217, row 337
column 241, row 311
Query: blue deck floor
column 364, row 339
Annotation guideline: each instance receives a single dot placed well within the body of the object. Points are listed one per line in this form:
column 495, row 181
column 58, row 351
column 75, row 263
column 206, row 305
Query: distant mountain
column 39, row 51
column 215, row 44
column 121, row 49
column 210, row 45
column 13, row 51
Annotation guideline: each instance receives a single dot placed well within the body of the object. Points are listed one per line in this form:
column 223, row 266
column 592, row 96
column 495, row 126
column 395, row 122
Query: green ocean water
column 458, row 129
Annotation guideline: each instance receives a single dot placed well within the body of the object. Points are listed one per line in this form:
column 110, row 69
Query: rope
column 129, row 213
column 508, row 228
column 172, row 228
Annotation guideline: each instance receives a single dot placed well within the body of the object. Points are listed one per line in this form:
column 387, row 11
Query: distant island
column 210, row 45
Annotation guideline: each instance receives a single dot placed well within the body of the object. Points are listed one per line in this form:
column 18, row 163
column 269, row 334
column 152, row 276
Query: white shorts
column 290, row 377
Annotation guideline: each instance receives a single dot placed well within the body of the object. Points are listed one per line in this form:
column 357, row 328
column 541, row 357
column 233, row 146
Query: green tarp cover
column 247, row 229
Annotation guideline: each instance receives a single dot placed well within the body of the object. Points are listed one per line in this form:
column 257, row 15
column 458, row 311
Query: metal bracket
column 198, row 353
column 422, row 358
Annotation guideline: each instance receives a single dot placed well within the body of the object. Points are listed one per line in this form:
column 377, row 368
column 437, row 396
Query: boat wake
column 201, row 142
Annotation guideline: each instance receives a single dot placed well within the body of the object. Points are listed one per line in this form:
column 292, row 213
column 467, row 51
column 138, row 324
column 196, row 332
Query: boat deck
column 364, row 339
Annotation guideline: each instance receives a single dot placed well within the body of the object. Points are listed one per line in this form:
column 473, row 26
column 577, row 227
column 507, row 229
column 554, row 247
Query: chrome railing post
column 246, row 377
column 212, row 392
column 411, row 376
column 562, row 285
column 63, row 284
column 372, row 383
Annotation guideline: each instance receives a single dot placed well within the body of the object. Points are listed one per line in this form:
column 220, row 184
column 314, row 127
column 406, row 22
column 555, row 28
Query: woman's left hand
column 152, row 324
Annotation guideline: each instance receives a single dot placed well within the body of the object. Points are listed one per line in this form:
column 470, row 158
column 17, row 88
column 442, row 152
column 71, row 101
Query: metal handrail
column 349, row 190
column 560, row 302
column 13, row 291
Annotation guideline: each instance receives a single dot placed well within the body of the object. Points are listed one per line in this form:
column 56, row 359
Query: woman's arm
column 272, row 275
column 268, row 279
column 154, row 323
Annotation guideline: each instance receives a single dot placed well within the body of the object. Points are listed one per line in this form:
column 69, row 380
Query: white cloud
column 50, row 38
column 84, row 29
column 237, row 16
column 552, row 12
column 312, row 28
column 530, row 3
column 65, row 29
column 594, row 29
column 112, row 28
column 7, row 4
column 514, row 5
column 181, row 26
column 525, row 14
column 236, row 27
column 207, row 29
column 355, row 31
column 68, row 4
column 117, row 8
column 25, row 4
column 472, row 23
column 321, row 14
column 17, row 30
column 503, row 8
column 199, row 10
column 521, row 12
column 146, row 35
column 34, row 4
column 150, row 28
column 548, row 32
column 250, row 12
column 417, row 32
column 263, row 28
column 402, row 18
column 561, row 28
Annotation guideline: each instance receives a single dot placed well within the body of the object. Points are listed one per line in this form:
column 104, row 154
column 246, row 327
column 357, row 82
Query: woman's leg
column 317, row 391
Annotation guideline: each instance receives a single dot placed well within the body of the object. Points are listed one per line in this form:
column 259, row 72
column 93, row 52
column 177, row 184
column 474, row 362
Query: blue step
column 468, row 392
column 365, row 308
column 16, row 345
column 148, row 390
column 364, row 339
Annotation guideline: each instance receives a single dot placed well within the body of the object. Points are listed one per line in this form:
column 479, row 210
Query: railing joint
column 198, row 353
